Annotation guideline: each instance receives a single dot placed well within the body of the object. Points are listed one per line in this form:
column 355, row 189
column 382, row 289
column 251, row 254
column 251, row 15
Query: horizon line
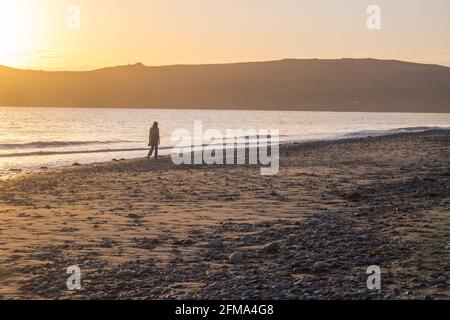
column 140, row 64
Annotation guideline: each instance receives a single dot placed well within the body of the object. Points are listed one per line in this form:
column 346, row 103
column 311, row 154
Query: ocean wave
column 50, row 144
column 68, row 152
column 377, row 133
column 62, row 144
column 52, row 153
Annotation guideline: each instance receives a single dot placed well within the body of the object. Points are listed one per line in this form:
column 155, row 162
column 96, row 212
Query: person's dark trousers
column 155, row 149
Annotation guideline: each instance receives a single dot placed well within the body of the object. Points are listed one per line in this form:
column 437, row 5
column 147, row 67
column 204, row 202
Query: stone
column 133, row 216
column 216, row 243
column 188, row 296
column 320, row 266
column 236, row 257
column 271, row 247
column 247, row 239
column 188, row 242
column 441, row 279
column 298, row 283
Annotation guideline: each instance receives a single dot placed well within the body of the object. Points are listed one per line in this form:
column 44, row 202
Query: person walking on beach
column 154, row 140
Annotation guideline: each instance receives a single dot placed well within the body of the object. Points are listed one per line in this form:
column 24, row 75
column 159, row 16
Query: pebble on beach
column 236, row 257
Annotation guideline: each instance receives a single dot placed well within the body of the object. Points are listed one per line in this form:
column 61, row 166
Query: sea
column 41, row 138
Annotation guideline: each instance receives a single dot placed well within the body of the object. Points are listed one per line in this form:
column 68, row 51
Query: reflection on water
column 47, row 137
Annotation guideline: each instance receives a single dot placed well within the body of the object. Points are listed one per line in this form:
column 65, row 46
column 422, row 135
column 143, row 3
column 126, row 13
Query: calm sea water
column 32, row 138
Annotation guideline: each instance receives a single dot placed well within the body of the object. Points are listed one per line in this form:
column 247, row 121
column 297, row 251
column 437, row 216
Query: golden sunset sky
column 34, row 33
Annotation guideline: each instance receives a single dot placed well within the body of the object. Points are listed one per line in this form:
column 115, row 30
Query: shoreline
column 146, row 229
column 14, row 172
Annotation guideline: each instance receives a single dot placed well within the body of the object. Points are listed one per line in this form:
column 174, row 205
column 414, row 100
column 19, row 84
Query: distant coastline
column 345, row 85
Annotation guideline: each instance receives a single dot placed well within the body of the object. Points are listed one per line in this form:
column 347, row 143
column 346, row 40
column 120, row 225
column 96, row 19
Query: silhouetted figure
column 154, row 140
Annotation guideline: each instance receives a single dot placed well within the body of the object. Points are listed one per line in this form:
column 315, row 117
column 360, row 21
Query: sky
column 90, row 34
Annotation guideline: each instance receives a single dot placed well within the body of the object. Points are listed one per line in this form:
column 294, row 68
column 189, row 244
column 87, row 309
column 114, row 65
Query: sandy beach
column 147, row 229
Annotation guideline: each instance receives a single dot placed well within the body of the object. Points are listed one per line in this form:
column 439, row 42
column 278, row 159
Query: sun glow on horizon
column 15, row 32
column 34, row 33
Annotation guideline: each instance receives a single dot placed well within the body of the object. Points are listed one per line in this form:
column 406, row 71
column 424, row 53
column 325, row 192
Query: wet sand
column 147, row 229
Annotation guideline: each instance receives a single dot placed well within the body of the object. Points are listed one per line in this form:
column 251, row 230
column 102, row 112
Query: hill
column 290, row 84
